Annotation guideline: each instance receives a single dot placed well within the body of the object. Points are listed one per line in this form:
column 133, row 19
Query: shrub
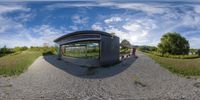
column 193, row 51
column 175, row 56
column 47, row 53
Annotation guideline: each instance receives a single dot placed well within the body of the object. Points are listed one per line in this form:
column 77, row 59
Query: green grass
column 17, row 63
column 175, row 56
column 185, row 67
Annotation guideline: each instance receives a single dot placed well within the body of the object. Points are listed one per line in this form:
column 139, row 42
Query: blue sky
column 142, row 23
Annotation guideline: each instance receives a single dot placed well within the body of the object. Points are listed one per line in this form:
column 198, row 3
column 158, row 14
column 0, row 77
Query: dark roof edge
column 82, row 32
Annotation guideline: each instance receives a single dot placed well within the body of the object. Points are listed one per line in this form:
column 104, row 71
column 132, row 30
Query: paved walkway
column 141, row 78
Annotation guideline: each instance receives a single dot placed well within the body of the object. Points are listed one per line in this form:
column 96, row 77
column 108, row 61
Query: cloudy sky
column 142, row 23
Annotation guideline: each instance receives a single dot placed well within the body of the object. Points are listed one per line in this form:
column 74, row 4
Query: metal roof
column 82, row 32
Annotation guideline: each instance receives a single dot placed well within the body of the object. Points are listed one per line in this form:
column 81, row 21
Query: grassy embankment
column 14, row 64
column 185, row 67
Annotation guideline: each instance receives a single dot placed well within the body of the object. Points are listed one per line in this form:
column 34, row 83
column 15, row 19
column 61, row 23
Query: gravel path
column 141, row 78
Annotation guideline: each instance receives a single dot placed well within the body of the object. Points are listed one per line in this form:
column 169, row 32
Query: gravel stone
column 133, row 79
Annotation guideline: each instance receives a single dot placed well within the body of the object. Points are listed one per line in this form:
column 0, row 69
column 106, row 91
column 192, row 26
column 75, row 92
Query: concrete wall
column 109, row 52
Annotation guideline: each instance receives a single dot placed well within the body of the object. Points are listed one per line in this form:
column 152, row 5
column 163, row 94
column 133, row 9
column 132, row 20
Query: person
column 133, row 52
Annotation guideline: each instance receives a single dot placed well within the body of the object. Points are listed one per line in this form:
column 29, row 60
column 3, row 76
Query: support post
column 59, row 52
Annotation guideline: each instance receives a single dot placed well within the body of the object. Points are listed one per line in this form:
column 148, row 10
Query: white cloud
column 196, row 8
column 149, row 8
column 134, row 38
column 24, row 36
column 46, row 30
column 113, row 19
column 78, row 19
column 153, row 8
column 24, row 17
column 97, row 26
column 14, row 33
column 67, row 5
column 132, row 27
column 73, row 28
column 194, row 42
column 10, row 8
column 145, row 27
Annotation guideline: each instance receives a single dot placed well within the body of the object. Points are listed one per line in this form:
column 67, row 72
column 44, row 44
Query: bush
column 198, row 52
column 47, row 53
column 193, row 51
column 175, row 56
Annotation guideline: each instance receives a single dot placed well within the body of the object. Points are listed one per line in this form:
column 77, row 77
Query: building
column 108, row 45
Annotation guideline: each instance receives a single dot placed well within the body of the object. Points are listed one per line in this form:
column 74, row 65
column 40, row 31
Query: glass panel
column 89, row 49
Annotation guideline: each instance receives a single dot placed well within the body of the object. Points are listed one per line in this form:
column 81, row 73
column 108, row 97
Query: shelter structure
column 108, row 45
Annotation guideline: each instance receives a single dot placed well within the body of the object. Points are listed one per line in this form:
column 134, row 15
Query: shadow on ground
column 94, row 73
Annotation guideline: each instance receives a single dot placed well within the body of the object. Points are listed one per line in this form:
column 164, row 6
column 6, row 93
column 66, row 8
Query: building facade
column 108, row 44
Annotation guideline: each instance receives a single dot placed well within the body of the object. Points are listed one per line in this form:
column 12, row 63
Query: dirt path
column 141, row 78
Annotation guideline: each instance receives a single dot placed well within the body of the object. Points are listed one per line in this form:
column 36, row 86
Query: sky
column 33, row 23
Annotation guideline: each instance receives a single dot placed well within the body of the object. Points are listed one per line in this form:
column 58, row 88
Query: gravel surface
column 141, row 78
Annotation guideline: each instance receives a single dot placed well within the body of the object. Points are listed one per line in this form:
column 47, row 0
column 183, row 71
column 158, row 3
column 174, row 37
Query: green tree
column 173, row 43
column 5, row 50
column 125, row 44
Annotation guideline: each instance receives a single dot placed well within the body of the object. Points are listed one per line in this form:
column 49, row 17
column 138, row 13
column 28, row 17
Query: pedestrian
column 133, row 52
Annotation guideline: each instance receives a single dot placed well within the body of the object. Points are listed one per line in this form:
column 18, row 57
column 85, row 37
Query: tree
column 173, row 43
column 5, row 50
column 125, row 44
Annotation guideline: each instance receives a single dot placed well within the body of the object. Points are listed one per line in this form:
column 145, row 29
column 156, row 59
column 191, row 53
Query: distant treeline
column 193, row 53
column 172, row 45
column 147, row 48
column 5, row 51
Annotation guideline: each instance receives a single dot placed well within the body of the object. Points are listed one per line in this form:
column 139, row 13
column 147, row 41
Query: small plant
column 137, row 81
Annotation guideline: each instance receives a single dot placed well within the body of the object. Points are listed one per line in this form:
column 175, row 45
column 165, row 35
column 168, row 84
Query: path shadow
column 93, row 73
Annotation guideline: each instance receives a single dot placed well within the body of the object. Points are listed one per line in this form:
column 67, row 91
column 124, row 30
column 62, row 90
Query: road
column 50, row 79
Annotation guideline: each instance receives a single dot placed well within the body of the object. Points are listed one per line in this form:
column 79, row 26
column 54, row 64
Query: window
column 86, row 49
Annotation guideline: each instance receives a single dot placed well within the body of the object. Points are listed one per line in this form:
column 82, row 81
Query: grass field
column 185, row 67
column 15, row 64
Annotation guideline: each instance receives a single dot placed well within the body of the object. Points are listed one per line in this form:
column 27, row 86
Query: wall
column 109, row 52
